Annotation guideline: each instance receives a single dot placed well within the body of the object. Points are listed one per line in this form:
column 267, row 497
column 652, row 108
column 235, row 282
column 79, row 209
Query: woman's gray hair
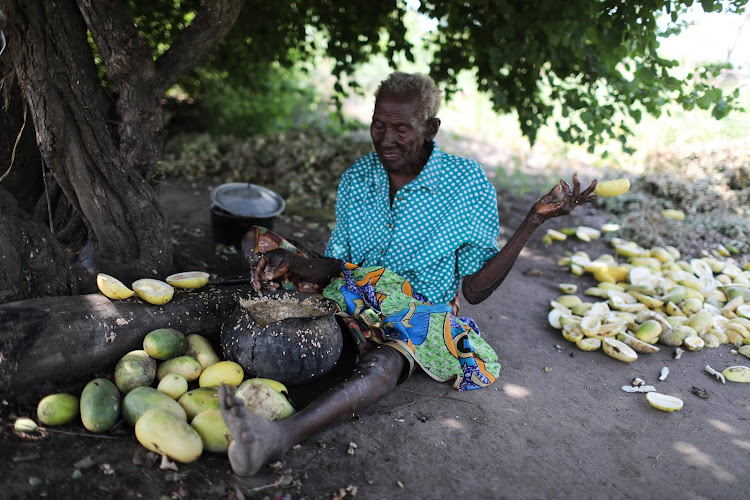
column 428, row 94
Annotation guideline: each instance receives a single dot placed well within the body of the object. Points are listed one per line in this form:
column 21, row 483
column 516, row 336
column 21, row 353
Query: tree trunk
column 103, row 170
column 128, row 232
column 69, row 339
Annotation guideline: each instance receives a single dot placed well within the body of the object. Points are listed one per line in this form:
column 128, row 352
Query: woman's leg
column 257, row 441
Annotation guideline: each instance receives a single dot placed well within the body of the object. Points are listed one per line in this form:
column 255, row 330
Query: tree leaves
column 532, row 58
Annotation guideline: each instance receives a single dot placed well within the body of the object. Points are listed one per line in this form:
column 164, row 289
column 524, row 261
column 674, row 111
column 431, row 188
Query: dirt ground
column 555, row 425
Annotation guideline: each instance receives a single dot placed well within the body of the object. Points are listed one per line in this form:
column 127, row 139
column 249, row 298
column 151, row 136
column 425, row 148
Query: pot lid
column 247, row 200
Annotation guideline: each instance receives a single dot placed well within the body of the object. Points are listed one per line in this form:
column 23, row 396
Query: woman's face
column 401, row 140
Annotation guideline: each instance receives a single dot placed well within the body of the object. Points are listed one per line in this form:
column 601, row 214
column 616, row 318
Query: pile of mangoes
column 653, row 296
column 168, row 392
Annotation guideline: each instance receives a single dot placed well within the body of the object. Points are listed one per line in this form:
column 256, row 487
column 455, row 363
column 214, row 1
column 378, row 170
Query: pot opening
column 267, row 311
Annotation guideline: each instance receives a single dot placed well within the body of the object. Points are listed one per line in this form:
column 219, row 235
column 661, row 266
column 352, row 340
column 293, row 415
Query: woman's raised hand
column 561, row 200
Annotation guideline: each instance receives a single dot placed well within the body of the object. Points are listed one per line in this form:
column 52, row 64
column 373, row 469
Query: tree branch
column 210, row 26
column 126, row 56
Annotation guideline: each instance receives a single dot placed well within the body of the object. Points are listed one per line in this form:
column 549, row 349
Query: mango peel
column 189, row 279
column 112, row 288
column 153, row 291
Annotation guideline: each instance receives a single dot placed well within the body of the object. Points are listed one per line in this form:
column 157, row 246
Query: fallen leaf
column 107, row 469
column 352, row 448
column 167, row 464
column 144, row 458
column 84, row 463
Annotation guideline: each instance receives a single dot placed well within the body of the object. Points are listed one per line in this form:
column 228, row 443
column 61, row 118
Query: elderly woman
column 413, row 223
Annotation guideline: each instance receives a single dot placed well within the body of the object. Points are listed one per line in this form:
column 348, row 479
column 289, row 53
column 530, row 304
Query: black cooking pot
column 289, row 336
column 238, row 206
column 229, row 229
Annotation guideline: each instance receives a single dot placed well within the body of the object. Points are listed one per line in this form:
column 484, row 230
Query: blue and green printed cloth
column 448, row 348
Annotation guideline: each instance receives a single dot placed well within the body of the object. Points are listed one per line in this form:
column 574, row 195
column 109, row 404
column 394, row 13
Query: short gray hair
column 423, row 86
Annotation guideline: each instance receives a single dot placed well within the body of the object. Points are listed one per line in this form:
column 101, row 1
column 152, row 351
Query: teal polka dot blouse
column 443, row 225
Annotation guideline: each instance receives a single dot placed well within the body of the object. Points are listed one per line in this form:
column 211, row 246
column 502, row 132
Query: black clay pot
column 229, row 229
column 292, row 350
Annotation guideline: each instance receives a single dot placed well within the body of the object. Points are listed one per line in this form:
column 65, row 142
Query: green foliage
column 591, row 67
column 281, row 32
column 275, row 103
column 303, row 167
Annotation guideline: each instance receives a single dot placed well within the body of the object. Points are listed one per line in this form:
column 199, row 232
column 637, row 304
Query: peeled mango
column 199, row 400
column 213, row 431
column 135, row 369
column 589, row 344
column 618, row 350
column 649, row 331
column 200, row 348
column 663, row 402
column 635, row 344
column 187, row 366
column 142, row 399
column 694, row 343
column 100, row 405
column 655, row 296
column 58, row 409
column 165, row 343
column 165, row 434
column 263, row 400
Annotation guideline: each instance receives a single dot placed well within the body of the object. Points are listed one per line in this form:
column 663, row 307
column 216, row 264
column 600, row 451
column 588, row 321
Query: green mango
column 199, row 400
column 100, row 405
column 165, row 343
column 140, row 399
column 187, row 366
column 135, row 369
column 202, row 350
column 58, row 409
column 165, row 434
column 214, row 432
column 263, row 400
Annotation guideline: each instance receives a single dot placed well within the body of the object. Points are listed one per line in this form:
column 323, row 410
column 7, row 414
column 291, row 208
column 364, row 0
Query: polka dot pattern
column 443, row 225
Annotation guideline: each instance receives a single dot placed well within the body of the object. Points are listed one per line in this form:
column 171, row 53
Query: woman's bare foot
column 255, row 440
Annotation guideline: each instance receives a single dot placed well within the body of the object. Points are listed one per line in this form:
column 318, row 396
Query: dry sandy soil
column 555, row 425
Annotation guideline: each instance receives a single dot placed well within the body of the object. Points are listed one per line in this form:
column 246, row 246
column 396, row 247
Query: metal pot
column 238, row 206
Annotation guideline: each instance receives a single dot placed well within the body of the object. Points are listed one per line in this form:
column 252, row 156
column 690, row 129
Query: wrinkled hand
column 268, row 266
column 561, row 200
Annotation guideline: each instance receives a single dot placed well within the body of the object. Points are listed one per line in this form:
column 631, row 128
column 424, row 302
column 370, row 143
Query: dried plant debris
column 711, row 188
column 303, row 167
